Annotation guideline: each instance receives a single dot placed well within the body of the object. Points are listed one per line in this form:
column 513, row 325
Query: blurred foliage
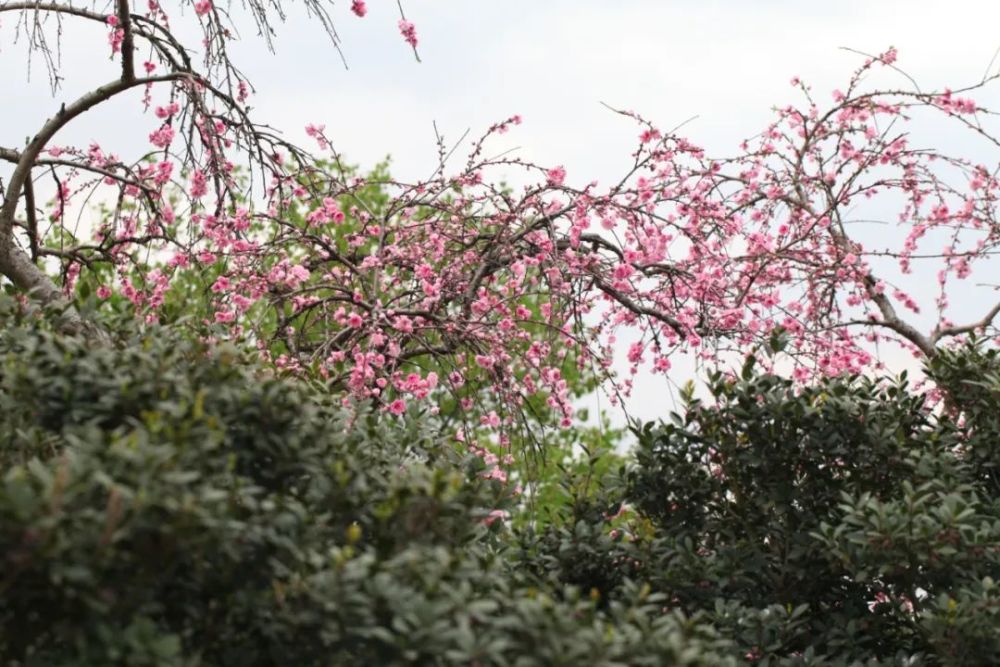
column 167, row 503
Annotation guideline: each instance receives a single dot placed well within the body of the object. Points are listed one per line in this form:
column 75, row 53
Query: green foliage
column 843, row 523
column 163, row 503
column 167, row 503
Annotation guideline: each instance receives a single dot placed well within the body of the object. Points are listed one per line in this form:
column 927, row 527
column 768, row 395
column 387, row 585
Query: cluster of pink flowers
column 409, row 32
column 116, row 35
column 511, row 288
column 162, row 137
column 958, row 105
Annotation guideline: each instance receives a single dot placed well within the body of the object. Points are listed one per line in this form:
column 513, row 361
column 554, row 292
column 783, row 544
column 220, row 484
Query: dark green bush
column 164, row 504
column 167, row 503
column 843, row 523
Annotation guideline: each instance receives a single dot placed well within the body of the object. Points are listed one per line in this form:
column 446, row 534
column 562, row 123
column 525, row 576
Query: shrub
column 166, row 504
column 841, row 523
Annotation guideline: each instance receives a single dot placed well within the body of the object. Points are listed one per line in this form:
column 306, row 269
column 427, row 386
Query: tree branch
column 31, row 152
column 968, row 328
column 128, row 44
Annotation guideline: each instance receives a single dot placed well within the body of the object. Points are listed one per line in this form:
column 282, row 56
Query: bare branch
column 968, row 328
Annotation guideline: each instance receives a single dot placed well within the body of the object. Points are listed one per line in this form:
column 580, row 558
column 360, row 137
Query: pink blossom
column 221, row 284
column 496, row 473
column 359, row 8
column 162, row 137
column 649, row 135
column 199, row 185
column 167, row 111
column 623, row 271
column 316, row 132
column 555, row 176
column 403, row 323
column 116, row 36
column 242, row 303
column 296, row 275
column 409, row 32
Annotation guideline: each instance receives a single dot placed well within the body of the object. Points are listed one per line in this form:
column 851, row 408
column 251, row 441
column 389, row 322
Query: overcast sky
column 553, row 62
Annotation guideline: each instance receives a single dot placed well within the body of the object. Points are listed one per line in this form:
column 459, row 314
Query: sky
column 722, row 63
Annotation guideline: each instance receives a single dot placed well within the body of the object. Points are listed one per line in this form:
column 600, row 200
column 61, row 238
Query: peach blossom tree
column 395, row 291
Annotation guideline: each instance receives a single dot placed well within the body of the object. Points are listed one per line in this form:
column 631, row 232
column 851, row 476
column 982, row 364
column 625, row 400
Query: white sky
column 552, row 61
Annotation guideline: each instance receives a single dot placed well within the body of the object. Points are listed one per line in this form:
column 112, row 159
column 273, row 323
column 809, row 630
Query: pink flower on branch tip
column 409, row 32
column 202, row 7
column 316, row 132
column 359, row 8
